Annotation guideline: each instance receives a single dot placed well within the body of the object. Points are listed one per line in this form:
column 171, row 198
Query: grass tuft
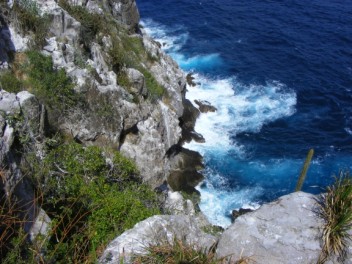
column 335, row 207
column 180, row 252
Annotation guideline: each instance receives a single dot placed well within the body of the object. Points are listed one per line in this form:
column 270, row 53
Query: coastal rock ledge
column 287, row 230
column 284, row 231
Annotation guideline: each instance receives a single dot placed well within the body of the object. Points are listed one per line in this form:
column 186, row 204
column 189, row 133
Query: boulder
column 154, row 230
column 41, row 226
column 285, row 231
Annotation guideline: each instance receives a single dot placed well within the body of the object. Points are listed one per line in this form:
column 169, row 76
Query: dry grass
column 335, row 207
column 180, row 252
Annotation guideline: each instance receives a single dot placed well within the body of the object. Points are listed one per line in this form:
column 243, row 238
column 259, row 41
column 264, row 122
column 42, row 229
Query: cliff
column 82, row 88
column 84, row 72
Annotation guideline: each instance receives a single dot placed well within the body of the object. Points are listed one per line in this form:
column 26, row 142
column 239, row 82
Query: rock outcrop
column 284, row 231
column 154, row 230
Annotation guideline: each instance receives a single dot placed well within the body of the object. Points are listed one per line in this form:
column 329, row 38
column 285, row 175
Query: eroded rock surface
column 285, row 231
column 156, row 229
column 114, row 115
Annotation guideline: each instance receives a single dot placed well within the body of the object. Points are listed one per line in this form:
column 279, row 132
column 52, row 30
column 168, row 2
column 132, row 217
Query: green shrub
column 10, row 83
column 335, row 207
column 89, row 200
column 50, row 85
column 91, row 21
column 155, row 90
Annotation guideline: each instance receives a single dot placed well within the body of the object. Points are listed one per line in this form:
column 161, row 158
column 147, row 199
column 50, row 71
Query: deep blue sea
column 280, row 74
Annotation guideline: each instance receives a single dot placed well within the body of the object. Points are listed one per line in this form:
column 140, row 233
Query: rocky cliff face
column 121, row 111
column 131, row 93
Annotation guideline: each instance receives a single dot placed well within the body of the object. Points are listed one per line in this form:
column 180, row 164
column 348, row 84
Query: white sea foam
column 171, row 40
column 240, row 108
column 217, row 204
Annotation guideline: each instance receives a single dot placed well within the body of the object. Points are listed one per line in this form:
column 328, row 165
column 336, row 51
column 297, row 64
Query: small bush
column 174, row 253
column 155, row 90
column 335, row 207
column 50, row 85
column 10, row 83
column 180, row 252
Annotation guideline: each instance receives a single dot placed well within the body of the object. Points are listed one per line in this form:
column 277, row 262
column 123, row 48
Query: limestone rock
column 148, row 146
column 285, row 231
column 190, row 80
column 188, row 121
column 185, row 164
column 126, row 11
column 41, row 225
column 143, row 131
column 137, row 81
column 9, row 102
column 20, row 116
column 154, row 230
column 32, row 112
column 175, row 204
column 168, row 74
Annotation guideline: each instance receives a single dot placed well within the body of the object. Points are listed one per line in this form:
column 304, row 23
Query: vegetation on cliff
column 91, row 196
column 335, row 207
column 91, row 193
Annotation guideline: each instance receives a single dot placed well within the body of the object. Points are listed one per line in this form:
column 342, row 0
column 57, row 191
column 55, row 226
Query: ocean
column 280, row 75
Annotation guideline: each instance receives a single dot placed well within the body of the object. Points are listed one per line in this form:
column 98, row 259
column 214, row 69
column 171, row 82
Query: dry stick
column 304, row 170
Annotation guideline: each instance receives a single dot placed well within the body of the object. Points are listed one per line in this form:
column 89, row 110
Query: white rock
column 156, row 229
column 41, row 225
column 176, row 204
column 284, row 231
column 8, row 102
